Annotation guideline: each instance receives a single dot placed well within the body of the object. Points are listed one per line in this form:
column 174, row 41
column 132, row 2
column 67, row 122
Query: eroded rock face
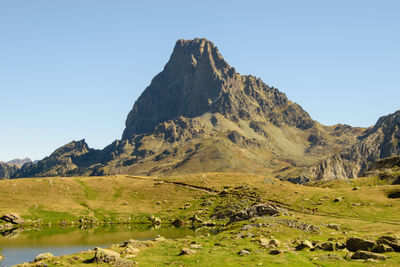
column 199, row 115
column 63, row 161
column 7, row 171
column 378, row 142
column 197, row 80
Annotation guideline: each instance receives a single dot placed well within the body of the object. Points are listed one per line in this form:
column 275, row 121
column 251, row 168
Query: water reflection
column 22, row 245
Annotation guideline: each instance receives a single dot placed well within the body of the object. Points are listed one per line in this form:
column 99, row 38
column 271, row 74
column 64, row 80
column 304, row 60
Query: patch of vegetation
column 40, row 212
column 89, row 192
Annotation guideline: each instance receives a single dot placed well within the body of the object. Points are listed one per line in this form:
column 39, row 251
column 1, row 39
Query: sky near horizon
column 72, row 69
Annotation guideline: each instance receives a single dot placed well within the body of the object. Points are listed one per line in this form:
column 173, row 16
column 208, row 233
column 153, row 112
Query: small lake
column 23, row 245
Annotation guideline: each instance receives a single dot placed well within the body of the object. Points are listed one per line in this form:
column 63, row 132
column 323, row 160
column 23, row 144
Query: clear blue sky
column 72, row 69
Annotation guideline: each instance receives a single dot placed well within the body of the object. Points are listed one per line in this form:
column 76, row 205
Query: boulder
column 160, row 238
column 304, row 244
column 187, row 251
column 340, row 245
column 338, row 199
column 130, row 250
column 44, row 256
column 105, row 255
column 364, row 255
column 333, row 226
column 390, row 241
column 355, row 244
column 178, row 223
column 244, row 252
column 155, row 220
column 275, row 252
column 382, row 248
column 274, row 243
column 12, row 218
column 262, row 209
column 326, row 246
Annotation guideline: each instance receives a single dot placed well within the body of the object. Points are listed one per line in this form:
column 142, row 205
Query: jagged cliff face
column 376, row 143
column 200, row 115
column 66, row 160
column 197, row 80
column 7, row 171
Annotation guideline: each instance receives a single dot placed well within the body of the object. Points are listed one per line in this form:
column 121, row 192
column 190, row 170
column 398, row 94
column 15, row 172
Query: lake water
column 24, row 245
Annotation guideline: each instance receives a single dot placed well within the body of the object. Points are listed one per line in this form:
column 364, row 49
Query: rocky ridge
column 200, row 115
column 378, row 142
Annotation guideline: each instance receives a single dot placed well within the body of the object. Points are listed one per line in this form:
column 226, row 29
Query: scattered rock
column 393, row 242
column 105, row 255
column 247, row 227
column 356, row 188
column 196, row 219
column 274, row 243
column 275, row 251
column 187, row 251
column 244, row 235
column 340, row 245
column 207, row 203
column 304, row 244
column 264, row 242
column 300, row 225
column 111, row 257
column 209, row 224
column 363, row 255
column 160, row 238
column 130, row 250
column 44, row 256
column 244, row 252
column 178, row 223
column 355, row 244
column 186, row 206
column 155, row 220
column 87, row 221
column 196, row 246
column 333, row 226
column 382, row 248
column 338, row 199
column 256, row 210
column 389, row 238
column 13, row 218
column 326, row 246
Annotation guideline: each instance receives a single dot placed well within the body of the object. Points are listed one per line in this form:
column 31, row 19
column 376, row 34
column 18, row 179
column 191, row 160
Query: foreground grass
column 366, row 212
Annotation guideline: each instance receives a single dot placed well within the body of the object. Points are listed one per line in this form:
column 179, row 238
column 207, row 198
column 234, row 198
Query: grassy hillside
column 360, row 208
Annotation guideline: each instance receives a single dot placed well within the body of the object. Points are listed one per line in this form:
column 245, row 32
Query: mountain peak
column 197, row 80
column 191, row 79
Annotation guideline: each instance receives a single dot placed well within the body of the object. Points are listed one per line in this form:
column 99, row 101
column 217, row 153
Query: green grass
column 366, row 212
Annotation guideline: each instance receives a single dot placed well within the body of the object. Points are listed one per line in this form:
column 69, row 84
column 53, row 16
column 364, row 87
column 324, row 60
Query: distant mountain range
column 9, row 168
column 19, row 162
column 199, row 115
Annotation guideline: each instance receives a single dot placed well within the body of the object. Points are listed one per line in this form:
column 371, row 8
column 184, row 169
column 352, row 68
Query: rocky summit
column 200, row 115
